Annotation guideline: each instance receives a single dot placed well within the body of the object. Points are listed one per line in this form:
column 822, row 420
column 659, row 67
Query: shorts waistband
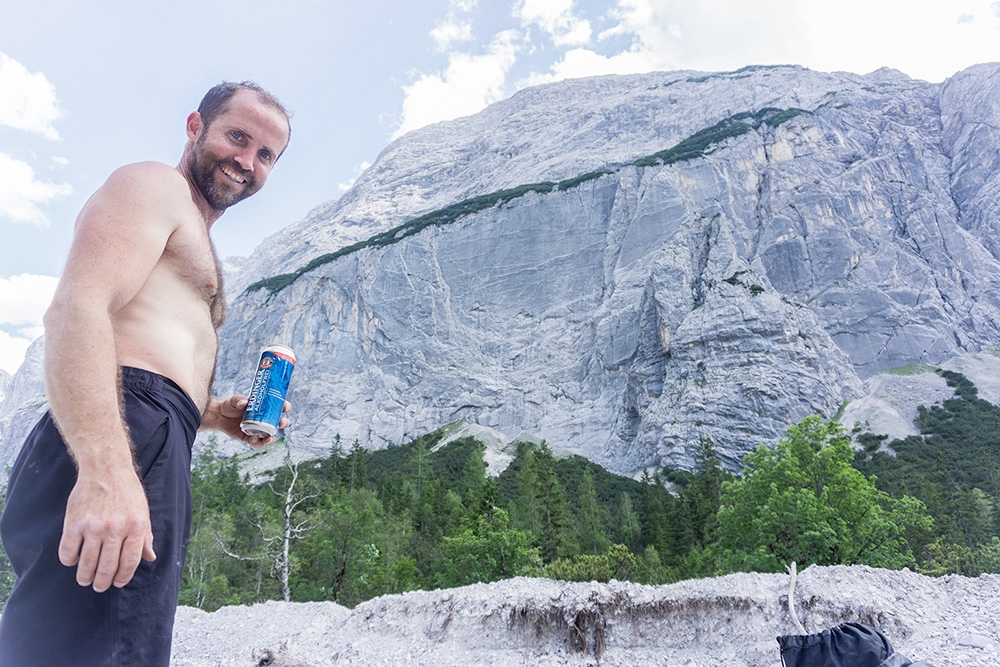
column 140, row 378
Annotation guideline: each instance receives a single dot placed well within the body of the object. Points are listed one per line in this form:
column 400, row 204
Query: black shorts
column 50, row 620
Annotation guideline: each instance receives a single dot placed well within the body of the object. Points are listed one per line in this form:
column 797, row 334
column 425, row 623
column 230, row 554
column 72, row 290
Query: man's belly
column 183, row 353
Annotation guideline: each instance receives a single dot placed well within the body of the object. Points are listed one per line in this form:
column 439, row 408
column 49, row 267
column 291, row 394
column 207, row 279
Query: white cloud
column 583, row 62
column 344, row 186
column 21, row 192
column 922, row 39
column 451, row 32
column 556, row 18
column 651, row 47
column 919, row 37
column 631, row 16
column 60, row 161
column 28, row 101
column 715, row 34
column 24, row 298
column 23, row 301
column 469, row 84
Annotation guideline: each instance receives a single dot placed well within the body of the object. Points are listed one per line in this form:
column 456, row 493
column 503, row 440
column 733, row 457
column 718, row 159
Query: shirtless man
column 99, row 502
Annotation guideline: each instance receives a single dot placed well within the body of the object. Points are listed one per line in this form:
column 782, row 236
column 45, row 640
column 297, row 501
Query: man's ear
column 194, row 125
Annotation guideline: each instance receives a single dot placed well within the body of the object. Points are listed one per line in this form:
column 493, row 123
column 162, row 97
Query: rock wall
column 725, row 295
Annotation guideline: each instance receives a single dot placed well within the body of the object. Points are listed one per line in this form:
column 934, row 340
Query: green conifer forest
column 358, row 524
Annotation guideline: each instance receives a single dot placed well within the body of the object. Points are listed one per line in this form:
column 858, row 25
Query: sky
column 86, row 87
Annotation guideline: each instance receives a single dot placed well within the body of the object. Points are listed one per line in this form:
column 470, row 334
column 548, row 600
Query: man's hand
column 225, row 415
column 107, row 529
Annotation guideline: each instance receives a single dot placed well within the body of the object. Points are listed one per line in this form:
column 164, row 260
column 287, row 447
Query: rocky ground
column 730, row 621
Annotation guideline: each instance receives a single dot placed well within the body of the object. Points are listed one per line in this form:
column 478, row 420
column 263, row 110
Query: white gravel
column 730, row 621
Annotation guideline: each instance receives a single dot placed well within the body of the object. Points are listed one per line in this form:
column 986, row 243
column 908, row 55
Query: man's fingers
column 132, row 550
column 233, row 407
column 256, row 442
column 69, row 547
column 285, row 421
column 108, row 565
column 106, row 532
column 147, row 548
column 86, row 568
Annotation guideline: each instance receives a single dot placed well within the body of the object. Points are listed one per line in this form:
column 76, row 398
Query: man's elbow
column 69, row 312
column 53, row 315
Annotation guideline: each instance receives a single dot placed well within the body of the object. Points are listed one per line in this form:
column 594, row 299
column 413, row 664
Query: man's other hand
column 107, row 530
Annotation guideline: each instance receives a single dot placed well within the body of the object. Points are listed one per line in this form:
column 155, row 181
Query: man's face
column 233, row 155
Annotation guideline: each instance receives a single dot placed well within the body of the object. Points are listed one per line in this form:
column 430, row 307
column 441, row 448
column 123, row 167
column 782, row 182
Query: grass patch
column 700, row 142
column 912, row 369
column 437, row 218
column 589, row 176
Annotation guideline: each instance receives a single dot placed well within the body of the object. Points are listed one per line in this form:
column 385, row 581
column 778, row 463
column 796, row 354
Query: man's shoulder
column 147, row 175
column 146, row 188
column 148, row 191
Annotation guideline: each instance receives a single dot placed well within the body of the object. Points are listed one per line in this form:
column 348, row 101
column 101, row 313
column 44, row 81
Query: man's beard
column 203, row 165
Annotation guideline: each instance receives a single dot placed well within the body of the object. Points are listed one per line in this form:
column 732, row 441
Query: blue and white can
column 266, row 400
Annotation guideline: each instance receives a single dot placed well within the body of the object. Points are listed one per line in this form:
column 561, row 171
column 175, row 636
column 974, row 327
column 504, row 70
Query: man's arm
column 120, row 236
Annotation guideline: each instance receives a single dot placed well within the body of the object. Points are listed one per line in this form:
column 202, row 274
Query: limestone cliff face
column 757, row 278
column 746, row 249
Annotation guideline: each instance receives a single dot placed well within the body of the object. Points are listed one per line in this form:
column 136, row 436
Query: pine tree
column 591, row 534
column 552, row 515
column 702, row 495
column 357, row 468
column 525, row 513
column 629, row 531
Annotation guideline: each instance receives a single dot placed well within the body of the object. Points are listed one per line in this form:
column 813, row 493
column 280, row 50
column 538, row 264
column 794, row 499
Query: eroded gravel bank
column 730, row 621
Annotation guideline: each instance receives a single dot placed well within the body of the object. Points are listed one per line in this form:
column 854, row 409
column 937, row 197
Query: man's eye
column 265, row 155
column 237, row 135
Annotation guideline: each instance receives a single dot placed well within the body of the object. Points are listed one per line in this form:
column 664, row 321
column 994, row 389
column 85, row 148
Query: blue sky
column 87, row 87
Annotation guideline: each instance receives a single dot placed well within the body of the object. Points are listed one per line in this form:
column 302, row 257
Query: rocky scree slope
column 730, row 621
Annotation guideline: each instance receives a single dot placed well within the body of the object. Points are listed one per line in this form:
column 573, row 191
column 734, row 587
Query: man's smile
column 232, row 175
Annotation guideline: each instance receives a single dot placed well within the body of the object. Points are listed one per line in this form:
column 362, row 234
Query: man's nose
column 245, row 160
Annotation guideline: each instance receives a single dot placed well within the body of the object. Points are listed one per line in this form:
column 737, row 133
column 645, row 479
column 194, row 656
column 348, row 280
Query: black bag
column 847, row 645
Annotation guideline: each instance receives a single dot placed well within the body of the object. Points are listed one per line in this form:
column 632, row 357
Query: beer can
column 266, row 400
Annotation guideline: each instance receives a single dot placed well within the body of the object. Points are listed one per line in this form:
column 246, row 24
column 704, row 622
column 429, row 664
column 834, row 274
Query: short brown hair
column 215, row 100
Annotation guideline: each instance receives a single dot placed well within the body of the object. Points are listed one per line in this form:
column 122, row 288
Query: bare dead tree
column 277, row 546
column 291, row 530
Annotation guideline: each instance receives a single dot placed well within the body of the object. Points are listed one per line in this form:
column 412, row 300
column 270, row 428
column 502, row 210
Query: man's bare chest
column 191, row 257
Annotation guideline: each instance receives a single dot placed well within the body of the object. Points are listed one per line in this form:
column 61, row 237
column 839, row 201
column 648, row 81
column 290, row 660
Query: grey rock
column 24, row 403
column 5, row 380
column 890, row 404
